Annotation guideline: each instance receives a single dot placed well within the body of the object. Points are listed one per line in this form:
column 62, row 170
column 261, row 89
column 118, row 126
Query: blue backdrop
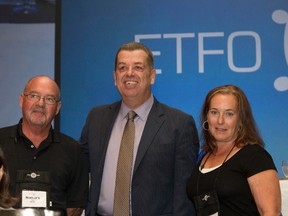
column 197, row 45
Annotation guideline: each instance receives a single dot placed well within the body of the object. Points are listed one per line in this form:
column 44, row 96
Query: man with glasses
column 47, row 167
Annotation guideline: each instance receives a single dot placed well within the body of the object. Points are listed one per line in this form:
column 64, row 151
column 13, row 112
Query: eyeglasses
column 49, row 99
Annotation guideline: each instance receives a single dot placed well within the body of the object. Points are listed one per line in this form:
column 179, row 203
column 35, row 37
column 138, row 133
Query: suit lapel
column 108, row 120
column 155, row 120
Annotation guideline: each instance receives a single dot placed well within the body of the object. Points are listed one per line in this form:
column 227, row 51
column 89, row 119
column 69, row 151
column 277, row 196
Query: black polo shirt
column 58, row 154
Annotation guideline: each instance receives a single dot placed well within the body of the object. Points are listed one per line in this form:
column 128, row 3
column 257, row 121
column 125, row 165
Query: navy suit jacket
column 165, row 159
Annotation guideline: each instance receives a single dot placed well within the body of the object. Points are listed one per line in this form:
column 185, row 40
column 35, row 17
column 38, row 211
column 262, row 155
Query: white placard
column 284, row 196
column 34, row 199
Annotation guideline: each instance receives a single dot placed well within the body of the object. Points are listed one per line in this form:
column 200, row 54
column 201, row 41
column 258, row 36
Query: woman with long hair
column 6, row 200
column 235, row 175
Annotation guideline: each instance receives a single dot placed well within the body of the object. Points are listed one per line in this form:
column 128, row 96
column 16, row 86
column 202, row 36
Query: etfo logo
column 278, row 16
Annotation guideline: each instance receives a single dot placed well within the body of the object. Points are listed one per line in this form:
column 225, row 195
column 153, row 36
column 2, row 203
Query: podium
column 29, row 212
column 284, row 195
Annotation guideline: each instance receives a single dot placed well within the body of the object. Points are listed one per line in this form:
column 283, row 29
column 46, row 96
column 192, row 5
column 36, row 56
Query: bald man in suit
column 165, row 145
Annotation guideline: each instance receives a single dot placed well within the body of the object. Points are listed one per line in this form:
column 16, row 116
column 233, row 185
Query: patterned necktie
column 124, row 169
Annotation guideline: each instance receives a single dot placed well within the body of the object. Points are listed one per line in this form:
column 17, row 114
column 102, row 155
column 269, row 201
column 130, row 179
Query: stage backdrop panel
column 27, row 48
column 197, row 45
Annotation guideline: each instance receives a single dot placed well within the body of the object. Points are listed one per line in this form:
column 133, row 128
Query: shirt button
column 32, row 146
column 35, row 158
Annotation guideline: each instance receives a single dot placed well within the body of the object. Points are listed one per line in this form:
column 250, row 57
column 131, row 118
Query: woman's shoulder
column 251, row 153
column 252, row 148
